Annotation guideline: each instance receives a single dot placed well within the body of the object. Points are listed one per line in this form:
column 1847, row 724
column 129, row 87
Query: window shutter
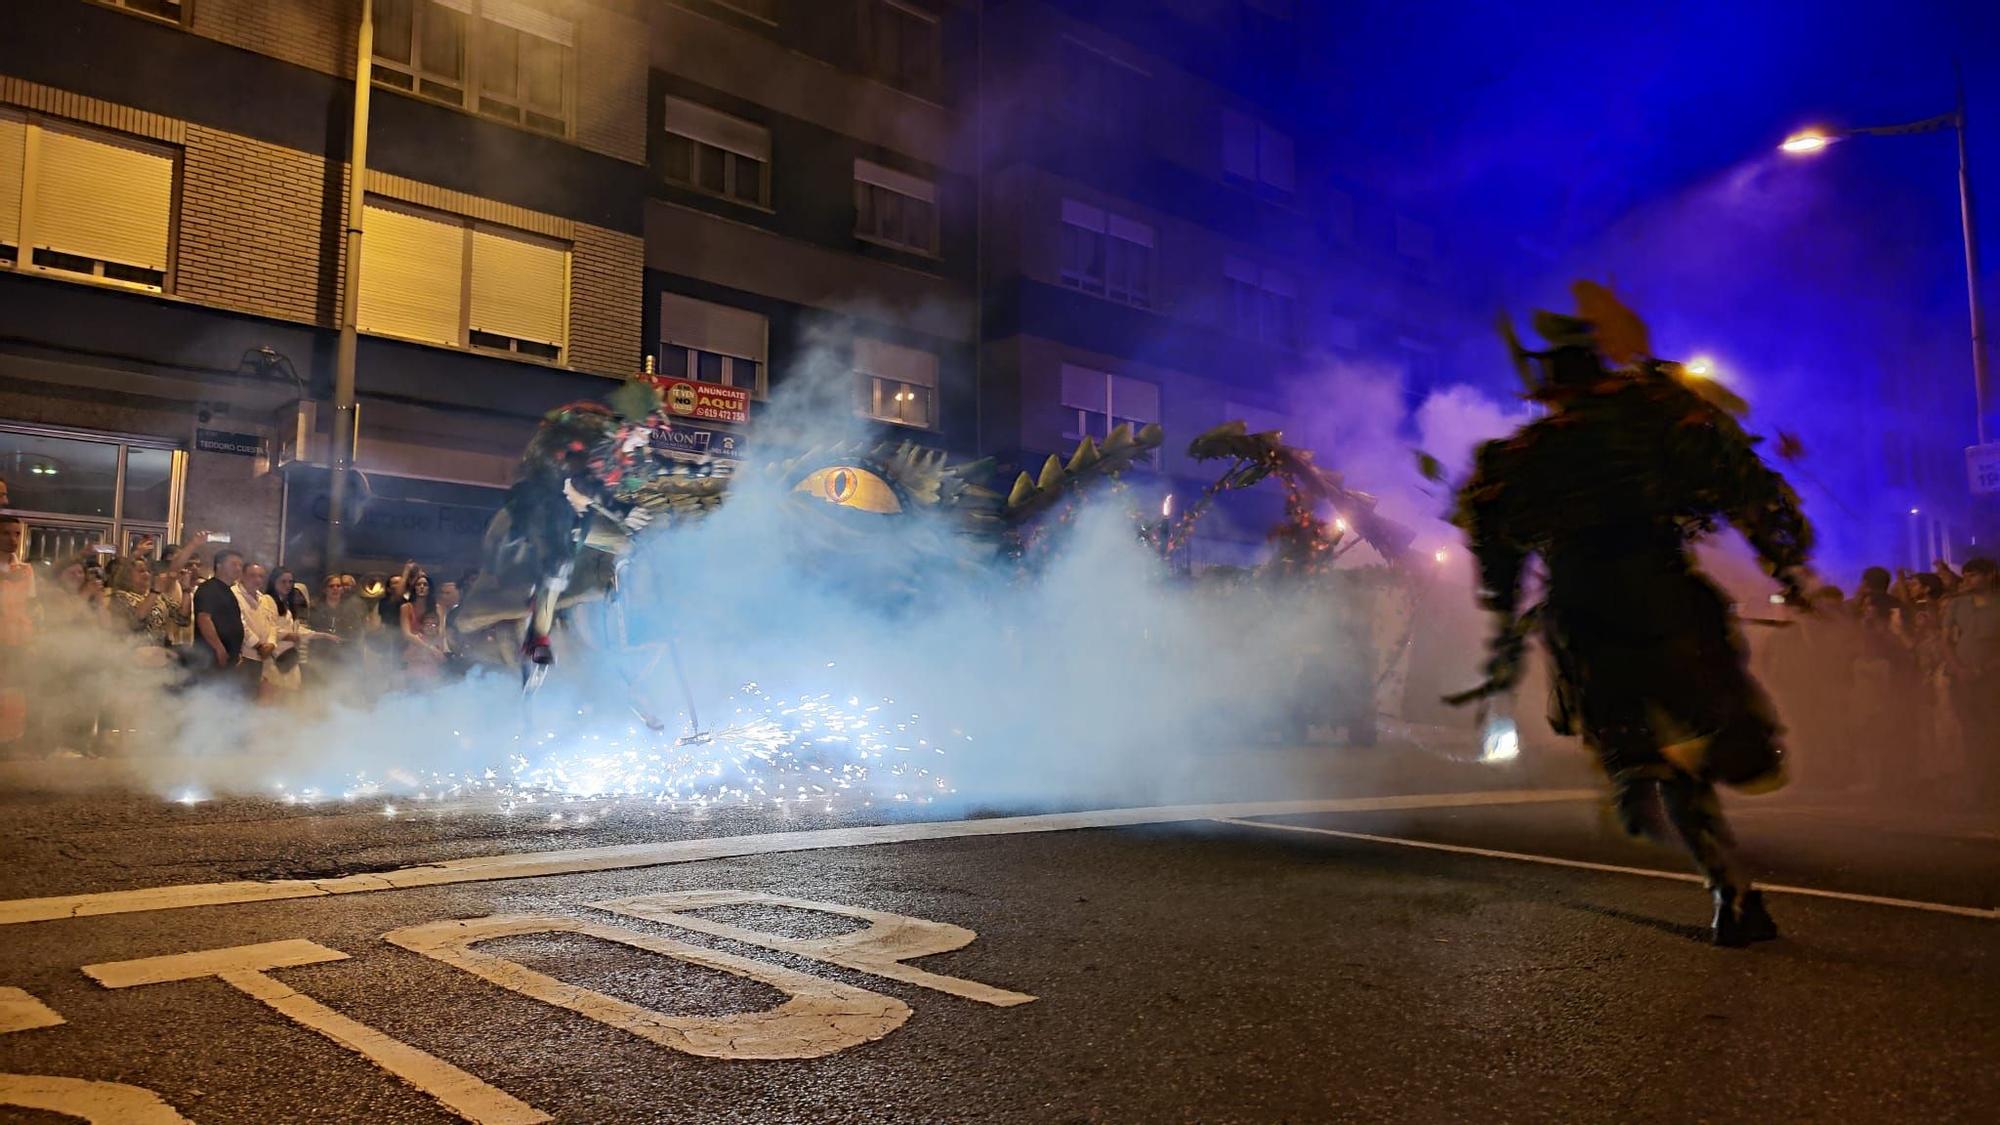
column 1085, row 389
column 890, row 361
column 1135, row 399
column 520, row 286
column 710, row 327
column 411, row 266
column 521, row 17
column 13, row 146
column 1131, row 231
column 1082, row 215
column 102, row 200
column 902, row 183
column 712, row 127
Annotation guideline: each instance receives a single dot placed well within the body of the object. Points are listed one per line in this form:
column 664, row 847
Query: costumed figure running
column 1634, row 460
column 568, row 516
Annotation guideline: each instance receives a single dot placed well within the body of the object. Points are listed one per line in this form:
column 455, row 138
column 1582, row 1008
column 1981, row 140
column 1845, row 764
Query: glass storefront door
column 78, row 489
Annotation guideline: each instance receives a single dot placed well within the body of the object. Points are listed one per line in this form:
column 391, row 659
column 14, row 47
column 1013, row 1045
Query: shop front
column 82, row 489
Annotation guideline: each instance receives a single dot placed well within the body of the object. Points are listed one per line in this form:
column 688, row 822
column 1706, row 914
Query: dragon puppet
column 592, row 484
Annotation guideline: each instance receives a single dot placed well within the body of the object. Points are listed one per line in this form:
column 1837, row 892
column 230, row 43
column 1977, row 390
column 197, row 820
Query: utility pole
column 350, row 296
column 1982, row 388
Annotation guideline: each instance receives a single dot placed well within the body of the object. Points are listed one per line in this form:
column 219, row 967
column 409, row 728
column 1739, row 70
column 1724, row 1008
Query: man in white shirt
column 260, row 616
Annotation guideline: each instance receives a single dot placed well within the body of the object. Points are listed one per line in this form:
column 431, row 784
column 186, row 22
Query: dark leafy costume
column 1609, row 490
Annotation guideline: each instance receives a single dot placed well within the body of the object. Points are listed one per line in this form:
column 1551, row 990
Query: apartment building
column 172, row 193
column 992, row 226
column 811, row 210
column 1167, row 239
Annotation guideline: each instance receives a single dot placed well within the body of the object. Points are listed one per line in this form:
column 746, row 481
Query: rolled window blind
column 13, row 143
column 103, row 200
column 712, row 127
column 710, row 327
column 523, row 17
column 1135, row 399
column 520, row 286
column 411, row 267
column 1085, row 389
column 892, row 361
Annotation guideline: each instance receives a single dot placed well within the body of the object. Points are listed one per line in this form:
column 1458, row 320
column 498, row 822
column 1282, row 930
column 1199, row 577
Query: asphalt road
column 1212, row 962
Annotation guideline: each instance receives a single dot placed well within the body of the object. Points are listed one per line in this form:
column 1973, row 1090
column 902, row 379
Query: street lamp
column 1816, row 140
column 1812, row 140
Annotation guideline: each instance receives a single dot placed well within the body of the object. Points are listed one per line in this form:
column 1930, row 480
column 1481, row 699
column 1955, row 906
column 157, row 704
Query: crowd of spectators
column 202, row 618
column 1893, row 692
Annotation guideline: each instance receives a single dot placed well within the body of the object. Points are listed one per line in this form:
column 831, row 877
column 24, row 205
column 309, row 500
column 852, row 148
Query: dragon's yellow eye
column 851, row 487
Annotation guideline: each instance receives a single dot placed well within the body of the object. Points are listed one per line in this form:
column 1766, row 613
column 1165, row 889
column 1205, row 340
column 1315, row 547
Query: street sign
column 706, row 402
column 1982, row 466
column 222, row 441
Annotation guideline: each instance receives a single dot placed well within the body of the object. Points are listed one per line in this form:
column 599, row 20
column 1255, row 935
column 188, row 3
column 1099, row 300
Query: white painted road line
column 22, row 1012
column 1986, row 913
column 818, row 1017
column 101, row 1103
column 528, row 865
column 246, row 968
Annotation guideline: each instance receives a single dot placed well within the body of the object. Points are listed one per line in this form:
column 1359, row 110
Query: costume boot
column 1740, row 917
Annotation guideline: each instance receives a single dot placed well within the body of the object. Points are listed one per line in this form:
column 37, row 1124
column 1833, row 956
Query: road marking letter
column 108, row 1103
column 244, row 968
column 818, row 1017
column 881, row 949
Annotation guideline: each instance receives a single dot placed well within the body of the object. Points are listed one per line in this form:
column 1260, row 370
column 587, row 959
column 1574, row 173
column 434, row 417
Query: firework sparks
column 822, row 751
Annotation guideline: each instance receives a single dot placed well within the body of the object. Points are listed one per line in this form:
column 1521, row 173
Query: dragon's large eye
column 850, row 487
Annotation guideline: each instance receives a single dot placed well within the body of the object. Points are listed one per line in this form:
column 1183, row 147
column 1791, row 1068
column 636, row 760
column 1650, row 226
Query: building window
column 1099, row 90
column 1263, row 302
column 715, row 153
column 172, row 11
column 443, row 279
column 713, row 343
column 897, row 384
column 1254, row 153
column 1097, row 402
column 78, row 489
column 901, row 45
column 895, row 208
column 1107, row 254
column 500, row 58
column 83, row 204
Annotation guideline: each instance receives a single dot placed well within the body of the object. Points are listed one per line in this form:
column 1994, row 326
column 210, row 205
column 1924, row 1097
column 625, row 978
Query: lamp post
column 1815, row 140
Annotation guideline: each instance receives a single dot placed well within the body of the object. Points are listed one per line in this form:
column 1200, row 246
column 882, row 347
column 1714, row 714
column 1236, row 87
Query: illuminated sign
column 705, row 402
column 1982, row 467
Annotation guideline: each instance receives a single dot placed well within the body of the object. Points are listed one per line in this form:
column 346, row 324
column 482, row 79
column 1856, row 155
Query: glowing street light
column 1809, row 141
column 1701, row 367
column 1812, row 140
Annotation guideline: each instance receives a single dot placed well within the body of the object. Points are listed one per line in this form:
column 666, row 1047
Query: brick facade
column 318, row 34
column 254, row 218
column 608, row 86
column 607, row 301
